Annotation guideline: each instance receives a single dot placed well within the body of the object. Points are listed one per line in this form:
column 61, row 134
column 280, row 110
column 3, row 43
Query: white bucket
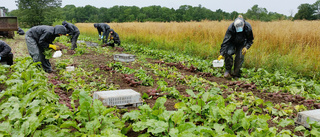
column 57, row 54
column 217, row 63
column 70, row 68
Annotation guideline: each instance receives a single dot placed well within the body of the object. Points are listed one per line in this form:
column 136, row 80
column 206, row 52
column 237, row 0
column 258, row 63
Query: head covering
column 239, row 24
column 59, row 29
column 111, row 30
column 64, row 23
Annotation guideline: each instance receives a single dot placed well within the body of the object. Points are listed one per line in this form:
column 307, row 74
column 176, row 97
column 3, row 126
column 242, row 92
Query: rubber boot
column 227, row 74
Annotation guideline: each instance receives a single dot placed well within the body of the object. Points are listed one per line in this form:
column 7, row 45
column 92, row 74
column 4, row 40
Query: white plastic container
column 217, row 63
column 57, row 54
column 313, row 115
column 124, row 57
column 122, row 98
column 70, row 68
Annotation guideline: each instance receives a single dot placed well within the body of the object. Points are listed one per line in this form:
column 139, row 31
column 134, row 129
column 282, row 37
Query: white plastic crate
column 57, row 54
column 120, row 98
column 218, row 63
column 314, row 115
column 70, row 68
column 124, row 57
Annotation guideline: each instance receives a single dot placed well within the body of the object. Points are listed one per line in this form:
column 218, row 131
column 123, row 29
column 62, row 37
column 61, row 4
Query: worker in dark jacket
column 20, row 31
column 73, row 31
column 105, row 28
column 114, row 38
column 238, row 39
column 38, row 38
column 5, row 53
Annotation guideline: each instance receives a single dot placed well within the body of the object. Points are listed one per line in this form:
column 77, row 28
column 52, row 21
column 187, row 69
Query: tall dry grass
column 290, row 45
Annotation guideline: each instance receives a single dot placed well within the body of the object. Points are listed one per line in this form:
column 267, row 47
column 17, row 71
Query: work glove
column 244, row 51
column 101, row 37
column 0, row 58
column 54, row 47
column 220, row 57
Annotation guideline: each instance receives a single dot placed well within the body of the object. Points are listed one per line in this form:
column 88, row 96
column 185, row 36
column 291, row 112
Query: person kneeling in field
column 38, row 38
column 114, row 39
column 5, row 53
column 73, row 31
column 238, row 39
column 105, row 28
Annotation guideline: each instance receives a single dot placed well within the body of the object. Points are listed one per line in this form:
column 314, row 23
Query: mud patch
column 2, row 87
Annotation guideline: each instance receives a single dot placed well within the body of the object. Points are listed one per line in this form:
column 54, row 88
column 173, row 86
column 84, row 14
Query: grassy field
column 292, row 45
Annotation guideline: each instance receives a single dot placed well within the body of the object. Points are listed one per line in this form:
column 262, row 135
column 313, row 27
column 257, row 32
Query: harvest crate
column 120, row 98
column 124, row 57
column 313, row 115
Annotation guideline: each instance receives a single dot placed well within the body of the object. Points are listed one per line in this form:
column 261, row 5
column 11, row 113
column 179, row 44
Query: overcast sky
column 286, row 7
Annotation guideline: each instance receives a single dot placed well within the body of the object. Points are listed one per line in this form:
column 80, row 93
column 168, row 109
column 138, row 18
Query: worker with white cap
column 238, row 39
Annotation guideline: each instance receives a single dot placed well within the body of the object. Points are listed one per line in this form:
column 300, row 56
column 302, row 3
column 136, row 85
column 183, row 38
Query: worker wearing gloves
column 105, row 28
column 73, row 31
column 238, row 39
column 40, row 37
column 114, row 39
column 5, row 53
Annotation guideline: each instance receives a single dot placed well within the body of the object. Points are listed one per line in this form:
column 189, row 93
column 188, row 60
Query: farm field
column 183, row 95
column 278, row 45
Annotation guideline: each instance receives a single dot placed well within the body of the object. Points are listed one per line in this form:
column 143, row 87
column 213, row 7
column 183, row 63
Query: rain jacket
column 234, row 38
column 114, row 36
column 72, row 29
column 102, row 27
column 20, row 31
column 4, row 49
column 45, row 35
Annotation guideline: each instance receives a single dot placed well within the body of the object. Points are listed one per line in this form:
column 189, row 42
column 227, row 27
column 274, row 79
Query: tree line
column 36, row 12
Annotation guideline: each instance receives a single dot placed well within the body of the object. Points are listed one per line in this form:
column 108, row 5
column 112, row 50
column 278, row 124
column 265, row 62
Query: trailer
column 7, row 25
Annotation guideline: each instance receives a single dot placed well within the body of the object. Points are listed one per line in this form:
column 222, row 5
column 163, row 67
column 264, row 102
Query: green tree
column 104, row 15
column 276, row 16
column 167, row 14
column 256, row 13
column 316, row 6
column 219, row 14
column 68, row 12
column 234, row 15
column 153, row 13
column 114, row 13
column 305, row 11
column 37, row 12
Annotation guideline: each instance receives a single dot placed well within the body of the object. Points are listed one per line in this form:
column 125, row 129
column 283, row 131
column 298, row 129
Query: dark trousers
column 37, row 53
column 105, row 39
column 234, row 49
column 74, row 40
column 8, row 59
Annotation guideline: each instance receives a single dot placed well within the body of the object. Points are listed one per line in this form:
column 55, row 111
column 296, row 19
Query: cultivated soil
column 116, row 78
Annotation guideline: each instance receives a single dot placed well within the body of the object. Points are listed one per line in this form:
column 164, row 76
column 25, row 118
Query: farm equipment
column 7, row 25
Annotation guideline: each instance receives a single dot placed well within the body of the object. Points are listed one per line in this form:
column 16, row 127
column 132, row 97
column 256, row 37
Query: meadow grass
column 292, row 45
